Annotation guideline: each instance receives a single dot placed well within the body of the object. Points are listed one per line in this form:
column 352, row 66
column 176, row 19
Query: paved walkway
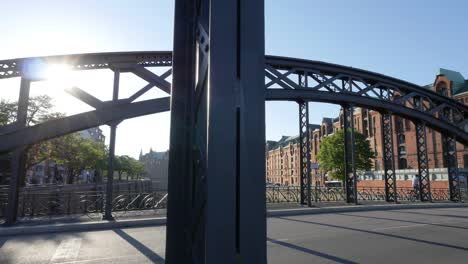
column 397, row 236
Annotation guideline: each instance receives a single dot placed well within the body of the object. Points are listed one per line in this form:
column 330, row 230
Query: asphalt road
column 399, row 236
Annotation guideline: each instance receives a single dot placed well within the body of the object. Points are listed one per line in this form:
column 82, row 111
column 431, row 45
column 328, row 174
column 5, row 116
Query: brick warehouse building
column 283, row 156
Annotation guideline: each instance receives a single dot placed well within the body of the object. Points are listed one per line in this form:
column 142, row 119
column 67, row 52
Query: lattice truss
column 132, row 62
column 14, row 68
column 423, row 162
column 282, row 73
column 388, row 156
column 450, row 156
column 304, row 141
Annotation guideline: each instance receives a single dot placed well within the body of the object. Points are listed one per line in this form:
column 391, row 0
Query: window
column 402, row 164
column 402, row 150
column 401, row 139
column 407, row 125
column 442, row 88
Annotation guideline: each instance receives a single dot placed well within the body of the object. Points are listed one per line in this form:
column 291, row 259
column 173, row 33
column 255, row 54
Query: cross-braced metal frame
column 111, row 112
column 304, row 156
column 450, row 156
column 423, row 163
column 388, row 157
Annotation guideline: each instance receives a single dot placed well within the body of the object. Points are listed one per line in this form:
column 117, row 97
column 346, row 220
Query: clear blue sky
column 405, row 39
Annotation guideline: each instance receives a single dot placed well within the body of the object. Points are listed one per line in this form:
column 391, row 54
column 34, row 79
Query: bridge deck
column 398, row 236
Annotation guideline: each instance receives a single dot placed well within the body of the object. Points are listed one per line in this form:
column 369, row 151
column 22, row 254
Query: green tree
column 331, row 154
column 128, row 166
column 77, row 154
column 40, row 109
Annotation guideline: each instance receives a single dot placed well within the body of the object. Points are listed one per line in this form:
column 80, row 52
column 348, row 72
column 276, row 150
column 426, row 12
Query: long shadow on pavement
column 442, row 215
column 378, row 233
column 310, row 251
column 403, row 221
column 150, row 254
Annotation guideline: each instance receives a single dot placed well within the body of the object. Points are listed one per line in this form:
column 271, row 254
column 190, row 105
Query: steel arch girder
column 88, row 61
column 370, row 103
column 78, row 122
column 302, row 65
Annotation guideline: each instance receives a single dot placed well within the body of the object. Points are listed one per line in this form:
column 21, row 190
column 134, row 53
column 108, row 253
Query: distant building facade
column 94, row 133
column 282, row 157
column 156, row 166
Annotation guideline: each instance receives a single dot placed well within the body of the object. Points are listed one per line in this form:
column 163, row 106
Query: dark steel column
column 304, row 147
column 227, row 209
column 388, row 158
column 349, row 167
column 353, row 156
column 450, row 155
column 110, row 165
column 19, row 156
column 423, row 161
column 180, row 181
column 251, row 74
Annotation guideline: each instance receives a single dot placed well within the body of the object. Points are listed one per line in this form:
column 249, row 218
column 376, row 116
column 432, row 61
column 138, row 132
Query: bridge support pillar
column 226, row 206
column 18, row 161
column 349, row 155
column 423, row 163
column 304, row 152
column 388, row 158
column 111, row 158
column 450, row 156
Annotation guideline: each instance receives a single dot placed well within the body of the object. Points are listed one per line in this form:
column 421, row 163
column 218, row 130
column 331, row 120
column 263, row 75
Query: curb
column 80, row 227
column 358, row 208
column 105, row 225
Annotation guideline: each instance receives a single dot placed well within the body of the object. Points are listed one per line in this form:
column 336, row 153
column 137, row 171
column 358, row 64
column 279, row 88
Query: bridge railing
column 36, row 203
column 57, row 203
column 291, row 194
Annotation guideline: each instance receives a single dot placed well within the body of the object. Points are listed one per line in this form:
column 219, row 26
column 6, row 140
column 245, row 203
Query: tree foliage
column 71, row 151
column 77, row 154
column 331, row 154
column 129, row 166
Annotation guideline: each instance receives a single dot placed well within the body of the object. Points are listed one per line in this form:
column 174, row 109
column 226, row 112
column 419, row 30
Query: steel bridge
column 221, row 79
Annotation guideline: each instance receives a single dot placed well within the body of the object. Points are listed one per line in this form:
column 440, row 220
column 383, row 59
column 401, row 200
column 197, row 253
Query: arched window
column 442, row 88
